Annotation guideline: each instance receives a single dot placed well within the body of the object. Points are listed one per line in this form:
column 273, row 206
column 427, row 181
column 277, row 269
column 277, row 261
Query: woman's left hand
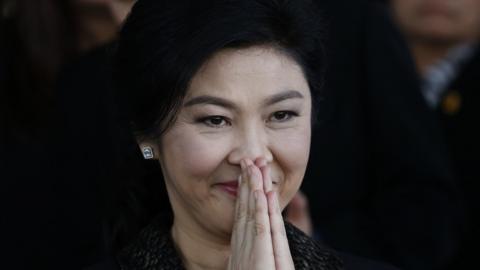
column 281, row 249
column 259, row 239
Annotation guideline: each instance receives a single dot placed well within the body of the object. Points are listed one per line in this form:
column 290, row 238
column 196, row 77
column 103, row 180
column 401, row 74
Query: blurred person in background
column 381, row 181
column 39, row 229
column 443, row 36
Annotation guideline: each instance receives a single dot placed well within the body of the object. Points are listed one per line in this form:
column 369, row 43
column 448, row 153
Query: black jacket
column 380, row 180
column 458, row 124
column 154, row 250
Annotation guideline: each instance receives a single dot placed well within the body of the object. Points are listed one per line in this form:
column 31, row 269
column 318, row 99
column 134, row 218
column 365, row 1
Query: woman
column 220, row 94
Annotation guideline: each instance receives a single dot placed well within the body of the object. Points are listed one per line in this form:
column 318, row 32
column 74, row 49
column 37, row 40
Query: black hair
column 163, row 43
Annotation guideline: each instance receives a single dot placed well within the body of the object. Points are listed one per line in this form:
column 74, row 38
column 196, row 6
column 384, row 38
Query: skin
column 298, row 213
column 259, row 238
column 245, row 131
column 99, row 20
column 118, row 8
column 432, row 27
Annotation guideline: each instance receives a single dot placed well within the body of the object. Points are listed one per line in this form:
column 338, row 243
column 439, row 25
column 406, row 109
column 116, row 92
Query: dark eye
column 282, row 116
column 215, row 121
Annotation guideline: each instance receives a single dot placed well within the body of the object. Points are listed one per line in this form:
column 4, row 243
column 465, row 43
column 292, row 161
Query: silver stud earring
column 147, row 152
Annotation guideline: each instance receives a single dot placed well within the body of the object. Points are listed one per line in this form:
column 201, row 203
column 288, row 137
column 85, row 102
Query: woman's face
column 449, row 21
column 243, row 103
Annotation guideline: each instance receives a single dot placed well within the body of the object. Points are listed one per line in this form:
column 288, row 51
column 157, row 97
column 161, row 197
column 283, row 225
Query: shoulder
column 309, row 254
column 153, row 249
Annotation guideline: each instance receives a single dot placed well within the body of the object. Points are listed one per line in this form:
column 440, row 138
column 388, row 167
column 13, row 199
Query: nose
column 251, row 143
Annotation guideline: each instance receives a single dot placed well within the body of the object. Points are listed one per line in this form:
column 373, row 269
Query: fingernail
column 239, row 179
column 250, row 170
column 275, row 198
column 262, row 162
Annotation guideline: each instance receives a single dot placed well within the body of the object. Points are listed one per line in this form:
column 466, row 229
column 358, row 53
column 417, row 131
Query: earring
column 147, row 152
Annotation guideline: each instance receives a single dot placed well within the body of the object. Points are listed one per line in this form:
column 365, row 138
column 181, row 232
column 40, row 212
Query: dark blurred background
column 394, row 161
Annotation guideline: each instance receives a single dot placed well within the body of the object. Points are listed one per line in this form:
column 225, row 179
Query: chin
column 225, row 215
column 226, row 227
column 439, row 29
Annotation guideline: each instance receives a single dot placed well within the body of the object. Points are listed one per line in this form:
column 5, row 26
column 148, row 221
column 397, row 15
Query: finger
column 236, row 213
column 255, row 183
column 263, row 240
column 281, row 250
column 266, row 174
column 256, row 180
column 238, row 231
column 250, row 224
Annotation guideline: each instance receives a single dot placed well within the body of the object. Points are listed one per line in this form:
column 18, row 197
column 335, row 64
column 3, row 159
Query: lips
column 434, row 9
column 229, row 187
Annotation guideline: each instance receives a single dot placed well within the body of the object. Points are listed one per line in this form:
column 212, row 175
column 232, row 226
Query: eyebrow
column 289, row 94
column 205, row 99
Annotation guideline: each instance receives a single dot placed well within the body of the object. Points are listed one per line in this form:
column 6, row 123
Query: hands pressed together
column 259, row 240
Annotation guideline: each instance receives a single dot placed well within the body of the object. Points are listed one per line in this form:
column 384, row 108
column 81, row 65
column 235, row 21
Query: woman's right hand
column 258, row 238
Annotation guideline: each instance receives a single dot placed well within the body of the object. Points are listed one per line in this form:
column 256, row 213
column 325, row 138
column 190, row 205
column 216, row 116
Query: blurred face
column 248, row 103
column 109, row 9
column 101, row 2
column 447, row 21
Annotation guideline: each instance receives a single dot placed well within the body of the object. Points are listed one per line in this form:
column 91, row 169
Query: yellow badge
column 452, row 102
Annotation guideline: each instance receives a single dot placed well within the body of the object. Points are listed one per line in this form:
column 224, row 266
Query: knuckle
column 259, row 228
column 242, row 211
column 279, row 230
column 251, row 216
column 260, row 209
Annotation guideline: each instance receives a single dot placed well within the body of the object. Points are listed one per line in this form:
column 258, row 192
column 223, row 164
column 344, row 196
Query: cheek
column 192, row 153
column 471, row 20
column 292, row 152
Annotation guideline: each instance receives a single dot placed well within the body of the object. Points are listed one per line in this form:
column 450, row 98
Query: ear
column 149, row 148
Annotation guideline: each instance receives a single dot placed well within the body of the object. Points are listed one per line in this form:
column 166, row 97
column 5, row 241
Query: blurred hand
column 118, row 9
column 298, row 213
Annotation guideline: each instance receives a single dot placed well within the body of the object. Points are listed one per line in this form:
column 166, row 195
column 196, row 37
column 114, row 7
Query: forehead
column 465, row 4
column 250, row 73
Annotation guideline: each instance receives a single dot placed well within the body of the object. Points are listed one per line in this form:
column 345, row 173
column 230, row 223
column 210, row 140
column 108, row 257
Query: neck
column 426, row 54
column 197, row 249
